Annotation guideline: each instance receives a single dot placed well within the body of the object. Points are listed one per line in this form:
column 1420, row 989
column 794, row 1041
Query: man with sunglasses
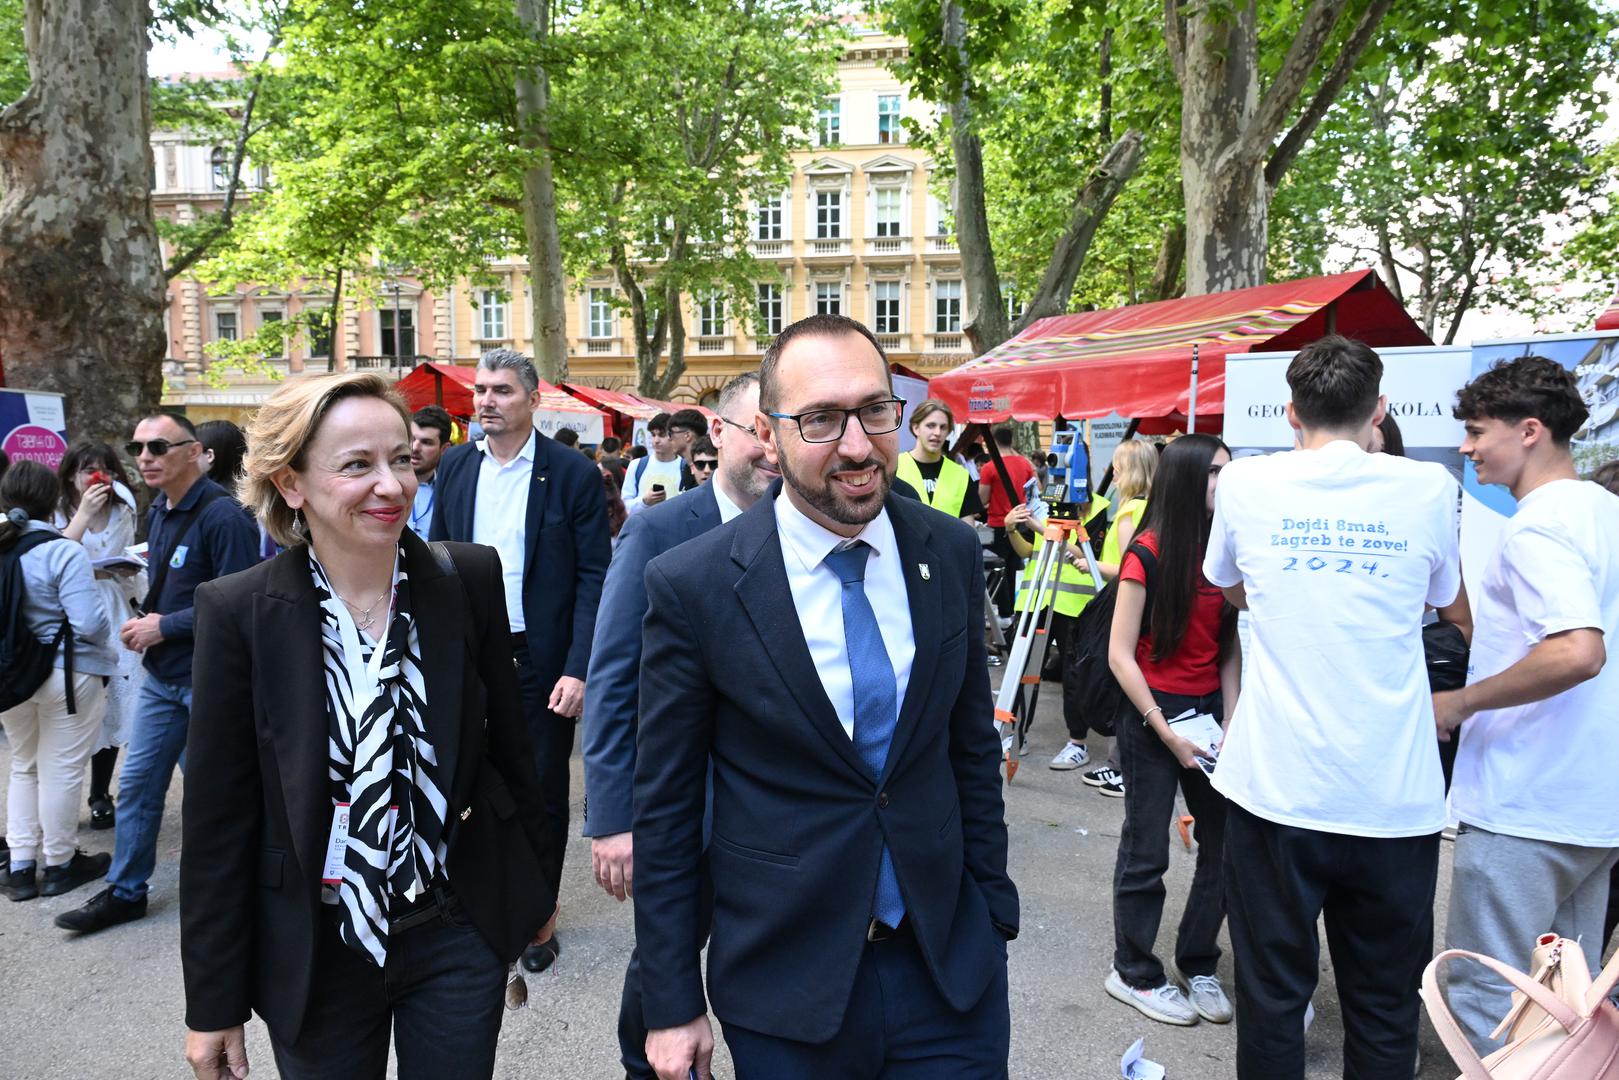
column 704, row 460
column 195, row 532
column 822, row 658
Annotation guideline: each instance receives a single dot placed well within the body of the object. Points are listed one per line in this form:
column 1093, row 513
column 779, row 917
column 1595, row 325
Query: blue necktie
column 876, row 711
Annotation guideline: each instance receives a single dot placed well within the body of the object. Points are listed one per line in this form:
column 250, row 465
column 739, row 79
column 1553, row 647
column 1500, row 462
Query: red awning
column 614, row 401
column 433, row 383
column 1137, row 361
column 1609, row 320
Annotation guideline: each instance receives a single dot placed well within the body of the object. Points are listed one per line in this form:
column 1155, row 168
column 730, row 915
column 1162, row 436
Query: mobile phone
column 658, row 488
column 99, row 477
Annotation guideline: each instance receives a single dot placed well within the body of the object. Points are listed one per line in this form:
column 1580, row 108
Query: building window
column 224, row 326
column 711, row 315
column 402, row 343
column 320, row 333
column 277, row 348
column 770, row 313
column 829, row 123
column 603, row 319
column 947, row 307
column 829, row 298
column 491, row 316
column 828, row 215
column 887, row 211
column 219, row 169
column 886, row 319
column 768, row 226
column 888, row 118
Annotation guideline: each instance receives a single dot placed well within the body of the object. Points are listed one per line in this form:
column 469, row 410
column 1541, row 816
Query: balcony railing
column 713, row 344
column 760, row 344
column 888, row 245
column 941, row 244
column 398, row 365
column 771, row 249
column 601, row 346
column 892, row 342
column 947, row 343
column 837, row 245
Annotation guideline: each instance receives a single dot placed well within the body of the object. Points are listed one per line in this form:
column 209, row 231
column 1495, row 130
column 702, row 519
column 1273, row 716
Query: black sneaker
column 102, row 815
column 20, row 885
column 76, row 871
column 103, row 910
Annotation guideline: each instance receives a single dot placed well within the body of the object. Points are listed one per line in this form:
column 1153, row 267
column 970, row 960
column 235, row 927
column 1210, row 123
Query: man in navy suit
column 608, row 727
column 823, row 655
column 543, row 508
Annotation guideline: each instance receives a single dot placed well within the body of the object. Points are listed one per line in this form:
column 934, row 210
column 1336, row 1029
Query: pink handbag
column 1561, row 1025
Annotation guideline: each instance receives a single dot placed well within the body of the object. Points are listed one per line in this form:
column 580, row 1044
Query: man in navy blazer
column 542, row 506
column 608, row 728
column 823, row 655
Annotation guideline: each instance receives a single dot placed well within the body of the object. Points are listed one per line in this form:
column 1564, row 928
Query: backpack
column 687, row 481
column 26, row 661
column 1088, row 686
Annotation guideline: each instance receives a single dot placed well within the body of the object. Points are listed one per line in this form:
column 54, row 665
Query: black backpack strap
column 27, row 542
column 441, row 555
column 161, row 571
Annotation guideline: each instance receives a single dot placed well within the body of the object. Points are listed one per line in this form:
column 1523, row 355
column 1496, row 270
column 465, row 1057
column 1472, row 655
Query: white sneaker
column 1164, row 1004
column 1207, row 997
column 1071, row 756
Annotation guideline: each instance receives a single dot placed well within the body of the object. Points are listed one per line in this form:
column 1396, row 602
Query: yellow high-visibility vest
column 1135, row 510
column 1075, row 588
column 949, row 490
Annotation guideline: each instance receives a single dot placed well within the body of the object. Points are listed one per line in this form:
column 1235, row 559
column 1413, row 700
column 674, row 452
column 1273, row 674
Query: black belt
column 436, row 903
column 519, row 641
column 877, row 930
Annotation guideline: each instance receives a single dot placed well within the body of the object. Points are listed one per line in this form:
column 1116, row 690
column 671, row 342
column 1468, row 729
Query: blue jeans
column 157, row 743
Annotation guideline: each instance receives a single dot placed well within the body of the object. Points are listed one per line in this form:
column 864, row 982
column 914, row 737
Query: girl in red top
column 1176, row 653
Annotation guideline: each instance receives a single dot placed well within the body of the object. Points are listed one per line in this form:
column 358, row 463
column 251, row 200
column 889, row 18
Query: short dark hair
column 1335, row 382
column 1393, row 439
column 165, row 414
column 1607, row 474
column 689, row 420
column 1003, row 436
column 229, row 446
column 567, row 436
column 30, row 487
column 703, row 446
column 612, row 444
column 733, row 390
column 811, row 326
column 659, row 424
column 436, row 417
column 637, row 451
column 1526, row 386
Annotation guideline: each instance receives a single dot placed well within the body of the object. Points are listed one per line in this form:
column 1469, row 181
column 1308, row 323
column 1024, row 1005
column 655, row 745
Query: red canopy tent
column 1137, row 361
column 433, row 383
column 1609, row 320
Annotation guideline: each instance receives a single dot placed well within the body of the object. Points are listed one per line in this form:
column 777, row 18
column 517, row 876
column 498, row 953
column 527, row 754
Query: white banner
column 588, row 425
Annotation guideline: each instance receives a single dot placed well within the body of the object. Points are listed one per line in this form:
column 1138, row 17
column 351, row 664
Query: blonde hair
column 1135, row 462
column 280, row 434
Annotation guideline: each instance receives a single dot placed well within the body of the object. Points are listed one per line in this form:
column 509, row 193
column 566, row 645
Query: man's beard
column 829, row 502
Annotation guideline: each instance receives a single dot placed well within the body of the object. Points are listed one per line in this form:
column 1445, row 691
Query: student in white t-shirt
column 1536, row 786
column 1330, row 762
column 661, row 475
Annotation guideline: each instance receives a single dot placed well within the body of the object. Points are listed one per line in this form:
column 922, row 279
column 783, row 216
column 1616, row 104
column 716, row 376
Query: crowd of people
column 373, row 649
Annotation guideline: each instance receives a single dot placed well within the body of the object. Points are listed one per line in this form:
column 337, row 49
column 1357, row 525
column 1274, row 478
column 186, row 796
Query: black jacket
column 258, row 803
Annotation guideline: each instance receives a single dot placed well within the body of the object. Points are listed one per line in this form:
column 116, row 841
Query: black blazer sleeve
column 975, row 757
column 593, row 547
column 220, row 821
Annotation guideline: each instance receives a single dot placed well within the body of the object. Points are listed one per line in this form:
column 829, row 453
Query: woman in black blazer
column 363, row 834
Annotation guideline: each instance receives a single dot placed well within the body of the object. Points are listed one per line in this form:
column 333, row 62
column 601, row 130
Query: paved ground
column 110, row 1006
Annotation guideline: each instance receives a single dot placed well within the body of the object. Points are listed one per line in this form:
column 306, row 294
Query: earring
column 300, row 527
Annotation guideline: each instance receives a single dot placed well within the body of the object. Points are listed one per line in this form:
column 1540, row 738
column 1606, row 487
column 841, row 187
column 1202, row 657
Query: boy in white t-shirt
column 660, row 475
column 1537, row 770
column 1330, row 761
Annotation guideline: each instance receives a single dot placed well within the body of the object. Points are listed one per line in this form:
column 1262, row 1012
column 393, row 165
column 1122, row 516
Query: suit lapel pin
column 925, row 573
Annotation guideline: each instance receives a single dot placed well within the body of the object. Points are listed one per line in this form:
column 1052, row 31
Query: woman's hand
column 217, row 1054
column 1018, row 515
column 1185, row 750
column 92, row 502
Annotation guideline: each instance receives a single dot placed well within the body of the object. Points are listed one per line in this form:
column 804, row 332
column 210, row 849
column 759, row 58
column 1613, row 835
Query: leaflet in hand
column 133, row 560
column 1203, row 731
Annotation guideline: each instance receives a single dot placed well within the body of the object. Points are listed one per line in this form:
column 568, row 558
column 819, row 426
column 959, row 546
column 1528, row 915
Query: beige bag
column 1560, row 1027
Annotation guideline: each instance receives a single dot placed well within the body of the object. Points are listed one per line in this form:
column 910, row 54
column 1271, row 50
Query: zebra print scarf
column 383, row 764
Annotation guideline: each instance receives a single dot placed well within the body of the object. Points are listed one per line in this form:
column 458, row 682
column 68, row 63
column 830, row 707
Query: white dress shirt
column 728, row 509
column 500, row 515
column 818, row 599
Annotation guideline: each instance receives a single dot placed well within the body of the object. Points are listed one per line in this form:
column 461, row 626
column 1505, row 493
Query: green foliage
column 13, row 57
column 1594, row 248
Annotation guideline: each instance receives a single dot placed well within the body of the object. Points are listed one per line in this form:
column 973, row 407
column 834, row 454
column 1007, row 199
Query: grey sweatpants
column 1505, row 891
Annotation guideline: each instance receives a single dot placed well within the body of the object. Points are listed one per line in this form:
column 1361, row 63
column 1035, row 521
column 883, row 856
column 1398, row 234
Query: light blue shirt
column 421, row 511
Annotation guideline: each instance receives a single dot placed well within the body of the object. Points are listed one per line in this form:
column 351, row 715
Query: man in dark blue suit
column 609, row 723
column 823, row 655
column 543, row 508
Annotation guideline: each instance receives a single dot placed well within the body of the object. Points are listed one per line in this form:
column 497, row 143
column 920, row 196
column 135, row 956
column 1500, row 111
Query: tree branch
column 1283, row 93
column 1090, row 207
column 1332, row 85
column 1175, row 39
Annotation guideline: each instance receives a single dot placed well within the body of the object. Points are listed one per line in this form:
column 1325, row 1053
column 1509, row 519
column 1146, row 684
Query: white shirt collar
column 728, row 509
column 811, row 542
column 525, row 454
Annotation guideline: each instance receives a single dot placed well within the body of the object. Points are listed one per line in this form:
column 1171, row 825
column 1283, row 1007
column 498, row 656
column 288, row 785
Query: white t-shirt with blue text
column 1339, row 551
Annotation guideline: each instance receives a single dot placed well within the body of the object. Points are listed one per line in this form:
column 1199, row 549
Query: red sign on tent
column 1137, row 361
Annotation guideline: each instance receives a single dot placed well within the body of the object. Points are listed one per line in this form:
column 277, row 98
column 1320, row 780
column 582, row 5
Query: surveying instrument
column 1066, row 498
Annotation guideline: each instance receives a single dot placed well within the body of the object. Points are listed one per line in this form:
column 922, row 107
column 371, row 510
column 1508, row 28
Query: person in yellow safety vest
column 1135, row 462
column 941, row 483
column 1075, row 588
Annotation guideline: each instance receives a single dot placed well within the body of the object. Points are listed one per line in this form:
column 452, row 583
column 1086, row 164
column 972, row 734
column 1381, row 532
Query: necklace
column 366, row 616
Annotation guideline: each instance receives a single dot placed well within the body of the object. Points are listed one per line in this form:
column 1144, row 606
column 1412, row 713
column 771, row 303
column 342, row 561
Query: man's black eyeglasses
column 704, row 463
column 158, row 447
column 741, row 427
column 828, row 425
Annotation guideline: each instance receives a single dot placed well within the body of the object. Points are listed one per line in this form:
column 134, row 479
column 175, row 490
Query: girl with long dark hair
column 97, row 509
column 1174, row 652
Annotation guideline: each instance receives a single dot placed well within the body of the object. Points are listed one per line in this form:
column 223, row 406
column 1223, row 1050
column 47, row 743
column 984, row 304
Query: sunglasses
column 157, row 447
column 704, row 463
